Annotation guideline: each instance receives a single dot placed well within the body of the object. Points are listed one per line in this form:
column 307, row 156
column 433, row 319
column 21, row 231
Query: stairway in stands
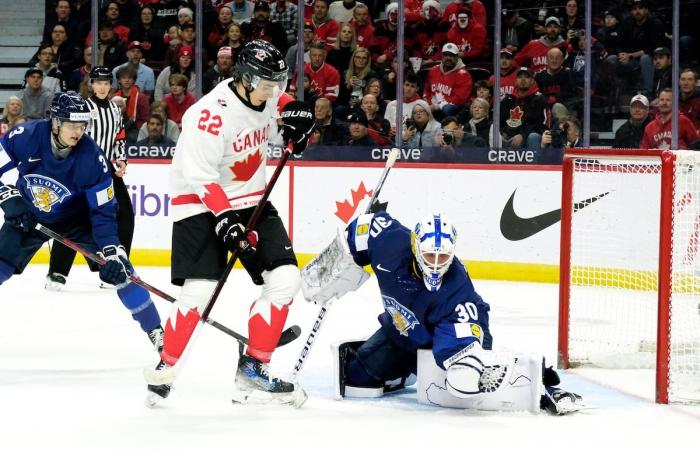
column 21, row 25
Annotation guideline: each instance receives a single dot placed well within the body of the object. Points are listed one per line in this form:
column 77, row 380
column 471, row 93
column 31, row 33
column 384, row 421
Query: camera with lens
column 579, row 33
column 559, row 136
column 448, row 137
column 410, row 123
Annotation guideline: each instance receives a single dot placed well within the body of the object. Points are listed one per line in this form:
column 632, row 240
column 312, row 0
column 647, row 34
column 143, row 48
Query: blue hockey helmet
column 69, row 107
column 433, row 242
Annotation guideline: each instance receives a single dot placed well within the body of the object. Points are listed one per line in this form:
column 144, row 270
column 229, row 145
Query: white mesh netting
column 614, row 268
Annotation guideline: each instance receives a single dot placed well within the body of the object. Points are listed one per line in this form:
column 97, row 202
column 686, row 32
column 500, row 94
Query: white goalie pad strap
column 520, row 391
column 332, row 274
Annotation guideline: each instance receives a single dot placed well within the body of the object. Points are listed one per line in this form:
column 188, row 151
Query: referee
column 108, row 132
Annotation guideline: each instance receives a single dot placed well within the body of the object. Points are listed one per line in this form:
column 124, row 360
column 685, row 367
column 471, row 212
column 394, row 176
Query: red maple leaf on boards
column 345, row 210
column 244, row 170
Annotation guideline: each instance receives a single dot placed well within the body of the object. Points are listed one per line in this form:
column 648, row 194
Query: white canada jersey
column 220, row 158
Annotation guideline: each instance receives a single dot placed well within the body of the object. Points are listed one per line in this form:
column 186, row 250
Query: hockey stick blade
column 287, row 336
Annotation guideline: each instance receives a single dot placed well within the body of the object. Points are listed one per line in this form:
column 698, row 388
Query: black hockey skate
column 156, row 338
column 55, row 282
column 255, row 385
column 158, row 392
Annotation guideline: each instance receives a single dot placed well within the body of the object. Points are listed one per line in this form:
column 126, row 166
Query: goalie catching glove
column 117, row 268
column 16, row 211
column 298, row 124
column 233, row 234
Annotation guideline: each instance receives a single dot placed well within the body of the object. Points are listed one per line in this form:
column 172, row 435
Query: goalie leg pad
column 520, row 391
column 268, row 314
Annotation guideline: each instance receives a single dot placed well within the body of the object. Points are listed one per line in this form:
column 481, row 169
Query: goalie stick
column 322, row 313
column 288, row 335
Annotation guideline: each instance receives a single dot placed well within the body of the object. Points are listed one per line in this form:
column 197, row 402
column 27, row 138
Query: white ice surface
column 71, row 378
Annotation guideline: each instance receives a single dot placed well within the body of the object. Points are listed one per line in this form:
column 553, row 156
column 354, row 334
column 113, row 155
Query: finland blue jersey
column 446, row 320
column 61, row 190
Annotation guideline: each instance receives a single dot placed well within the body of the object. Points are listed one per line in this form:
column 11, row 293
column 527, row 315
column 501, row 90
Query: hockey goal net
column 630, row 268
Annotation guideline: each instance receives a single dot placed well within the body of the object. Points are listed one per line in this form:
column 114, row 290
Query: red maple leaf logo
column 516, row 113
column 345, row 210
column 244, row 170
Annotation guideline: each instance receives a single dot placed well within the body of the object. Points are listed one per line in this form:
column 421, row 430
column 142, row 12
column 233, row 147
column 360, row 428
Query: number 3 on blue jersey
column 105, row 169
column 467, row 312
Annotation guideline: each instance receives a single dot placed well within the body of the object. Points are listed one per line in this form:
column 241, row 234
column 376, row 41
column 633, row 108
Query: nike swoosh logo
column 516, row 228
column 287, row 247
column 379, row 267
column 33, row 159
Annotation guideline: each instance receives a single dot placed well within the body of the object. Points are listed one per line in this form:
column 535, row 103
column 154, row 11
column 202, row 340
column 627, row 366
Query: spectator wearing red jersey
column 469, row 36
column 508, row 74
column 657, row 133
column 326, row 29
column 448, row 86
column 324, row 78
column 178, row 100
column 690, row 96
column 431, row 34
column 384, row 44
column 477, row 8
column 534, row 54
column 136, row 103
column 362, row 23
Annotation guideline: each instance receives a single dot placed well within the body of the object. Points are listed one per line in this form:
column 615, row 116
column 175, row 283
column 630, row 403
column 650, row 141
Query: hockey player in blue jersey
column 429, row 303
column 65, row 184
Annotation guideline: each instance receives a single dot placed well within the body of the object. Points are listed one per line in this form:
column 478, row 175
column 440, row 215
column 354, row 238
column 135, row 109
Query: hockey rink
column 71, row 378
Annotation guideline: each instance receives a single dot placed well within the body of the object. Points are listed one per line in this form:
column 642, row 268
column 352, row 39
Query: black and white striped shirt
column 107, row 128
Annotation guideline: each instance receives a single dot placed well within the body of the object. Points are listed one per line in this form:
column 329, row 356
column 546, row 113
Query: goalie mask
column 433, row 243
column 260, row 66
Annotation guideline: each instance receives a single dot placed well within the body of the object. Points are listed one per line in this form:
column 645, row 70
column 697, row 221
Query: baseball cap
column 611, row 12
column 506, row 51
column 551, row 19
column 509, row 10
column 261, row 6
column 662, row 51
column 524, row 70
column 450, row 48
column 185, row 50
column 32, row 71
column 357, row 117
column 639, row 3
column 225, row 50
column 135, row 44
column 308, row 25
column 641, row 99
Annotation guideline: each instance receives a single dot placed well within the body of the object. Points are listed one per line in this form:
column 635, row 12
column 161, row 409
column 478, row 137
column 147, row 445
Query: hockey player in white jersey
column 217, row 179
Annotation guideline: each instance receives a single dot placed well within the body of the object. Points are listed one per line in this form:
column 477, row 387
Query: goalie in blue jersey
column 430, row 308
column 65, row 184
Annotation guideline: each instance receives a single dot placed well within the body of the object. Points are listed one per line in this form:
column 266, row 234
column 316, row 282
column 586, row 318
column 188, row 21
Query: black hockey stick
column 287, row 336
column 322, row 313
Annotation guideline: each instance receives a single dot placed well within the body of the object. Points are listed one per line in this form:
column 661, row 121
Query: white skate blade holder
column 295, row 398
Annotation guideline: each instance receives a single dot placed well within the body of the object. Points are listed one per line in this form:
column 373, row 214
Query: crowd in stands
column 350, row 67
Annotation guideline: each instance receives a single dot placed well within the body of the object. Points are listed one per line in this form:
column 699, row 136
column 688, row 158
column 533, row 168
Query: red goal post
column 629, row 265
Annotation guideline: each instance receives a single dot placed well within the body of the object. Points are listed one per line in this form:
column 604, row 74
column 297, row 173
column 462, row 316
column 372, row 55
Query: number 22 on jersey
column 209, row 123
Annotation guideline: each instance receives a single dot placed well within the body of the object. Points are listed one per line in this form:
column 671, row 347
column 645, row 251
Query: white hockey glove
column 332, row 274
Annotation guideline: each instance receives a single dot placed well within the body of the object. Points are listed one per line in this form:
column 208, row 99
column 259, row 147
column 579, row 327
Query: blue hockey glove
column 117, row 267
column 233, row 234
column 17, row 212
